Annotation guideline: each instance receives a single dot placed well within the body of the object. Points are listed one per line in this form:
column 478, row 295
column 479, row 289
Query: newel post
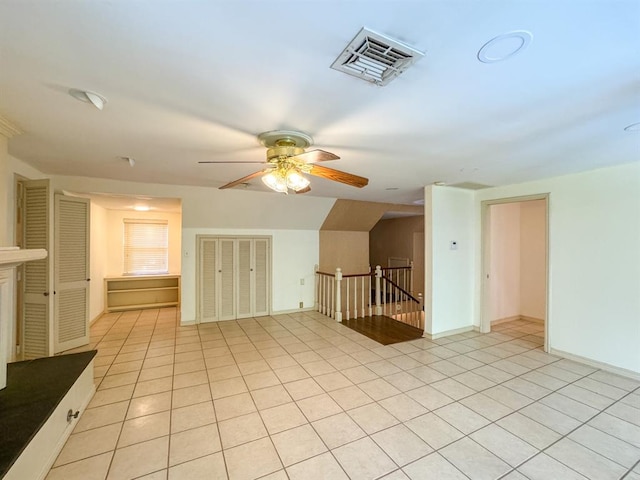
column 378, row 299
column 338, row 311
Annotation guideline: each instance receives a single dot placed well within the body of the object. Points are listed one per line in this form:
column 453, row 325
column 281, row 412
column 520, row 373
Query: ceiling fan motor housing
column 279, row 152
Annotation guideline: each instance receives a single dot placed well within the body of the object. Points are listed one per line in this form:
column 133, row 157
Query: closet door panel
column 245, row 272
column 227, row 277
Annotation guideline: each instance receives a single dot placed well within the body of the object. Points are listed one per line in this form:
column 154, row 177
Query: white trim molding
column 623, row 372
column 8, row 128
column 447, row 333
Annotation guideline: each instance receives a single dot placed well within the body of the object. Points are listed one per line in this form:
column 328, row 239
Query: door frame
column 485, row 317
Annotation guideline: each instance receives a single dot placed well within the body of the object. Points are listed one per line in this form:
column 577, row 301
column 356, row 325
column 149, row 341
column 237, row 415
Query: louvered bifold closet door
column 71, row 301
column 226, row 279
column 208, row 303
column 245, row 271
column 261, row 277
column 35, row 337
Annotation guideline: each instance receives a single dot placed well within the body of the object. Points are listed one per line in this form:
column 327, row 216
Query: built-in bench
column 34, row 411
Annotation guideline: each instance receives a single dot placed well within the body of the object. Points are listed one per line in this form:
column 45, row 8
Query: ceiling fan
column 287, row 161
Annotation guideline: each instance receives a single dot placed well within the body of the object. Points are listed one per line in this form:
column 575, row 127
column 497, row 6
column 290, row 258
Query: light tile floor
column 302, row 397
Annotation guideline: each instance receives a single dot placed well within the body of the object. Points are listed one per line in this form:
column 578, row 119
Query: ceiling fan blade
column 338, row 176
column 304, row 190
column 314, row 156
column 242, row 180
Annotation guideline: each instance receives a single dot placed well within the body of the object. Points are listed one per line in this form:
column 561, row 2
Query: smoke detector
column 376, row 58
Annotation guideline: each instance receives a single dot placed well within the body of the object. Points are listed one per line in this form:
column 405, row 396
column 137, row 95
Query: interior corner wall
column 394, row 238
column 452, row 219
column 533, row 261
column 98, row 259
column 346, row 250
column 504, row 270
column 594, row 262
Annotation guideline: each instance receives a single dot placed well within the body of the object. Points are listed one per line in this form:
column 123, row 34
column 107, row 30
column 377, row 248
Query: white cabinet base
column 38, row 457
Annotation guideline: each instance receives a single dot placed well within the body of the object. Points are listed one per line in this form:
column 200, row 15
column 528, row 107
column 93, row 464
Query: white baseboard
column 294, row 310
column 623, row 372
column 516, row 317
column 96, row 318
column 450, row 332
column 532, row 319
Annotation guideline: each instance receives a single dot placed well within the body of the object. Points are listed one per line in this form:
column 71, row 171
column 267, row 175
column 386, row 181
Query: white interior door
column 35, row 332
column 261, row 276
column 71, row 300
column 207, row 279
column 233, row 278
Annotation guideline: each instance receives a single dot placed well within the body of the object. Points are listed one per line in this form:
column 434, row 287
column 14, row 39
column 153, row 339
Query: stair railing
column 382, row 292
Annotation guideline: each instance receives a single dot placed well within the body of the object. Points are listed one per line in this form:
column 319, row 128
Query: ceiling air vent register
column 376, row 58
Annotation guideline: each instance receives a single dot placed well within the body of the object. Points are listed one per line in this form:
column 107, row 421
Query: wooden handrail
column 401, row 289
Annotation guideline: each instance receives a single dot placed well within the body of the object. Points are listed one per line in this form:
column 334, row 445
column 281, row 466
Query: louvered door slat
column 261, row 287
column 73, row 304
column 244, row 278
column 35, row 334
column 71, row 320
column 208, row 304
column 227, row 280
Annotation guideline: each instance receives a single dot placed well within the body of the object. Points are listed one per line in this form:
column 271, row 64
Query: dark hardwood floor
column 383, row 329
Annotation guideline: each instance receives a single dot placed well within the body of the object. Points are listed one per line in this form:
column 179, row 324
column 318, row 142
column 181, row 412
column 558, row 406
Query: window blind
column 146, row 246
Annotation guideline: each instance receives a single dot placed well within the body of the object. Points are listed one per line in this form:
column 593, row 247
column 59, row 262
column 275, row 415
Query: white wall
column 98, row 259
column 450, row 288
column 594, row 290
column 294, row 254
column 504, row 270
column 115, row 235
column 292, row 220
column 5, row 201
column 517, row 284
column 533, row 259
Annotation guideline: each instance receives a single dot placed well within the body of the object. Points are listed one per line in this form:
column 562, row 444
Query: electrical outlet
column 302, row 281
column 301, row 304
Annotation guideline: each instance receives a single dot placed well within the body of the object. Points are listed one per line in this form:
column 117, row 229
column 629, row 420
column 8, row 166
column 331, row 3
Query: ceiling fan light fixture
column 275, row 182
column 296, row 182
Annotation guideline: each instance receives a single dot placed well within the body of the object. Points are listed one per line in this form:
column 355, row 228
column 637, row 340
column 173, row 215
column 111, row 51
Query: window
column 146, row 246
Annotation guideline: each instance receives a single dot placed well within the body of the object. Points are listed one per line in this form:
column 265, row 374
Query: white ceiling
column 192, row 80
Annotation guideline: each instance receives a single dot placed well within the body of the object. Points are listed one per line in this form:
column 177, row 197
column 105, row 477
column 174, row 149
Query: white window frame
column 146, row 254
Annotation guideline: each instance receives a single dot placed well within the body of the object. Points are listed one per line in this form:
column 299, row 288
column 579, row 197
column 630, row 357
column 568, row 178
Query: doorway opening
column 515, row 266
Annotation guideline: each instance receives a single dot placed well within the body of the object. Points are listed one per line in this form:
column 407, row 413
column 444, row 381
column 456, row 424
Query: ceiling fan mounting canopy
column 285, row 138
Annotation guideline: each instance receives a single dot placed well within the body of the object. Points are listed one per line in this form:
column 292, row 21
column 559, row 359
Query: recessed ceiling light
column 634, row 127
column 141, row 208
column 504, row 46
column 86, row 96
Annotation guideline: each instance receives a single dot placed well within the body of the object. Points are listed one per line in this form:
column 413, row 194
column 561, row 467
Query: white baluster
column 378, row 302
column 347, row 302
column 338, row 309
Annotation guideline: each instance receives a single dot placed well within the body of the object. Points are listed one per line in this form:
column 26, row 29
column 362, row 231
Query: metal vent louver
column 375, row 58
